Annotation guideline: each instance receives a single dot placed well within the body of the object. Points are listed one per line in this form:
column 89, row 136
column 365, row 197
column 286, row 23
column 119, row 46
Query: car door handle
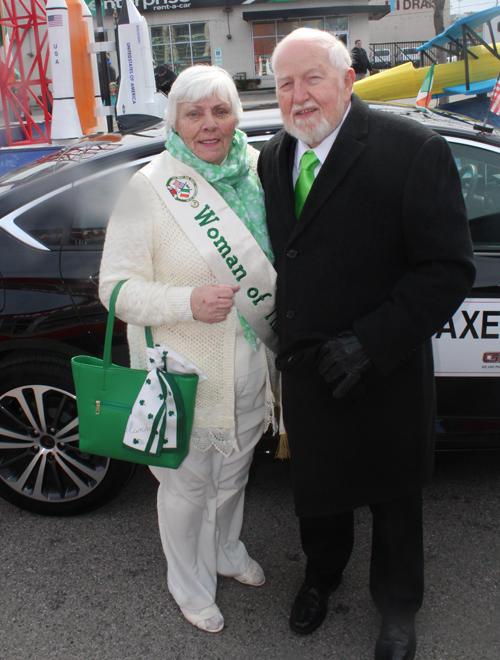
column 95, row 279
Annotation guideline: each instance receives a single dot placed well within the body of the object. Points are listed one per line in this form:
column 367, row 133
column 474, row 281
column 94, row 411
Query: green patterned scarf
column 238, row 186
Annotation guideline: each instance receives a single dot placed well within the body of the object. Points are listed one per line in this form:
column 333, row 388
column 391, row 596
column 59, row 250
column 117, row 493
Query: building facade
column 240, row 35
column 408, row 20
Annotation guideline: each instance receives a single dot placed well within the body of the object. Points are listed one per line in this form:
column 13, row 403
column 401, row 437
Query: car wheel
column 41, row 467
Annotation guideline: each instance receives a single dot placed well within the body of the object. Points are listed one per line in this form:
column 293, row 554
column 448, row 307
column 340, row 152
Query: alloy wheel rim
column 39, row 454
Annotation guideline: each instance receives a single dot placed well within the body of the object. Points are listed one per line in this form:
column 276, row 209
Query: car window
column 479, row 170
column 94, row 202
column 259, row 141
column 10, row 159
column 45, row 221
column 76, row 215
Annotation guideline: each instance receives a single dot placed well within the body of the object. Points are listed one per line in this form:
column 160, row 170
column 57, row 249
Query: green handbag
column 105, row 396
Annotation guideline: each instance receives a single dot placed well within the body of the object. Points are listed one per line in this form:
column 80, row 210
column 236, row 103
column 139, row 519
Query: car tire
column 41, row 467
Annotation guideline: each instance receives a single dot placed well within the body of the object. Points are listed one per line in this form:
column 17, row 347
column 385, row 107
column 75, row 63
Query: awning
column 375, row 12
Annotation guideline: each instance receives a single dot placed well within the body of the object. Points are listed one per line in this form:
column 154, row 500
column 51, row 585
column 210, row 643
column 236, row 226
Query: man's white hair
column 337, row 52
column 201, row 82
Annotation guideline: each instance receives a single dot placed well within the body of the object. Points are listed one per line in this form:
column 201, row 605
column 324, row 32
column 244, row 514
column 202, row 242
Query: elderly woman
column 171, row 287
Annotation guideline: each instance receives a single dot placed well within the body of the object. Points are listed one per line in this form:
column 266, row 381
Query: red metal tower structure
column 21, row 85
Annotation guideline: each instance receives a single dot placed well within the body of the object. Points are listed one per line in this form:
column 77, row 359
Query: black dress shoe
column 310, row 606
column 396, row 642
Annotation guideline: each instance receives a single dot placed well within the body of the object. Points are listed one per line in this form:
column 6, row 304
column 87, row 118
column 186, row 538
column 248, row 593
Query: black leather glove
column 301, row 356
column 342, row 361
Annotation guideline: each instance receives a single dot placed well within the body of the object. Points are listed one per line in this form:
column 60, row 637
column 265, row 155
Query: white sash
column 227, row 246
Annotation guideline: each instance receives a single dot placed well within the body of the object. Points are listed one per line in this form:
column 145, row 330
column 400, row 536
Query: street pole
column 103, row 63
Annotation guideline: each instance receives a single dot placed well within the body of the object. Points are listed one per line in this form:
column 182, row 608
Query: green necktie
column 308, row 163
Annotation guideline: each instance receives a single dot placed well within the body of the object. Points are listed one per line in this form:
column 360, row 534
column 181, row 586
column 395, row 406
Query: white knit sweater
column 146, row 246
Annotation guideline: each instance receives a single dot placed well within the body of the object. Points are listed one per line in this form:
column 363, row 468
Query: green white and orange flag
column 425, row 94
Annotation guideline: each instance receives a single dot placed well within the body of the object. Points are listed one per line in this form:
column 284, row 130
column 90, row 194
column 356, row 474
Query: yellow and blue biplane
column 471, row 70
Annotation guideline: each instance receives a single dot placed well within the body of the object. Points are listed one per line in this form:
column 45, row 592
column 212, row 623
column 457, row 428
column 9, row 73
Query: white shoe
column 208, row 619
column 254, row 575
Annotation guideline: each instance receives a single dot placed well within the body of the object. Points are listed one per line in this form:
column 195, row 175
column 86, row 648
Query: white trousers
column 200, row 505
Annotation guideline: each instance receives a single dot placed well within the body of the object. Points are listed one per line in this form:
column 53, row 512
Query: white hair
column 337, row 52
column 201, row 82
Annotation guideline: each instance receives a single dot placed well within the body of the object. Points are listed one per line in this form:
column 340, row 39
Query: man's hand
column 343, row 359
column 212, row 303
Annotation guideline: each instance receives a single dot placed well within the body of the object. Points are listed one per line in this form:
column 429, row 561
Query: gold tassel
column 283, row 450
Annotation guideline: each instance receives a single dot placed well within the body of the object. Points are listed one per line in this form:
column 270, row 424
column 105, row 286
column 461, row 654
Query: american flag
column 54, row 20
column 495, row 98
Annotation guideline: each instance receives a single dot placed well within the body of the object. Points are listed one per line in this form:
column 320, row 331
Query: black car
column 53, row 221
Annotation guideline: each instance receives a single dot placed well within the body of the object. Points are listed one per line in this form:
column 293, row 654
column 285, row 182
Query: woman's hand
column 212, row 303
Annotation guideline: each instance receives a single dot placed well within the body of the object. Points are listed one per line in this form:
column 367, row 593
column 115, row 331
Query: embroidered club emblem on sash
column 182, row 188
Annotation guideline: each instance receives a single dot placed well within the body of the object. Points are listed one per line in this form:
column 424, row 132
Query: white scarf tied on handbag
column 152, row 424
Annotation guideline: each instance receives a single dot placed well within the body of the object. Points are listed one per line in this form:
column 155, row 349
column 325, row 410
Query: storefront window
column 179, row 33
column 201, row 52
column 266, row 34
column 160, row 35
column 336, row 24
column 182, row 45
column 200, row 32
column 266, row 29
column 285, row 27
column 263, row 49
column 317, row 23
column 162, row 54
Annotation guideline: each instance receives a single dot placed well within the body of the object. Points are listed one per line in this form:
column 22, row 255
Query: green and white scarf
column 239, row 186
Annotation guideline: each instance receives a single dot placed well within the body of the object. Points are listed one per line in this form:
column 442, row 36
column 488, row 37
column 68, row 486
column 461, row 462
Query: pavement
column 263, row 97
column 94, row 587
column 250, row 99
column 256, row 98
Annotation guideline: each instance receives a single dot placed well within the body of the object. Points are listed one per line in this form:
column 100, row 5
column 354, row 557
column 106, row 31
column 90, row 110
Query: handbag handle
column 108, row 339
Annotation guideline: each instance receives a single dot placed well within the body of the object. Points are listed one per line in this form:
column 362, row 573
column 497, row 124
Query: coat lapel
column 284, row 169
column 344, row 153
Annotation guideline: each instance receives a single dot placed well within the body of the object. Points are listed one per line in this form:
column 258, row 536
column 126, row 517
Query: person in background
column 113, row 91
column 164, row 78
column 111, row 69
column 171, row 288
column 373, row 254
column 111, row 76
column 360, row 62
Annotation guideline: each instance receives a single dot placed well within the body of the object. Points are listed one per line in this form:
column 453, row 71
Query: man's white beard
column 317, row 131
column 313, row 134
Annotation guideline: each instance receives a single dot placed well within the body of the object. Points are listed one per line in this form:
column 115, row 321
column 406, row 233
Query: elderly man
column 373, row 255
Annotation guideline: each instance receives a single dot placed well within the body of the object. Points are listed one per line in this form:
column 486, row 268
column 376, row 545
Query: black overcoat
column 382, row 247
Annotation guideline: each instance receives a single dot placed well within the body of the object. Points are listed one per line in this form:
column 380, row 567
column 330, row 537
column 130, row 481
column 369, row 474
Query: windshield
column 84, row 150
column 48, row 164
